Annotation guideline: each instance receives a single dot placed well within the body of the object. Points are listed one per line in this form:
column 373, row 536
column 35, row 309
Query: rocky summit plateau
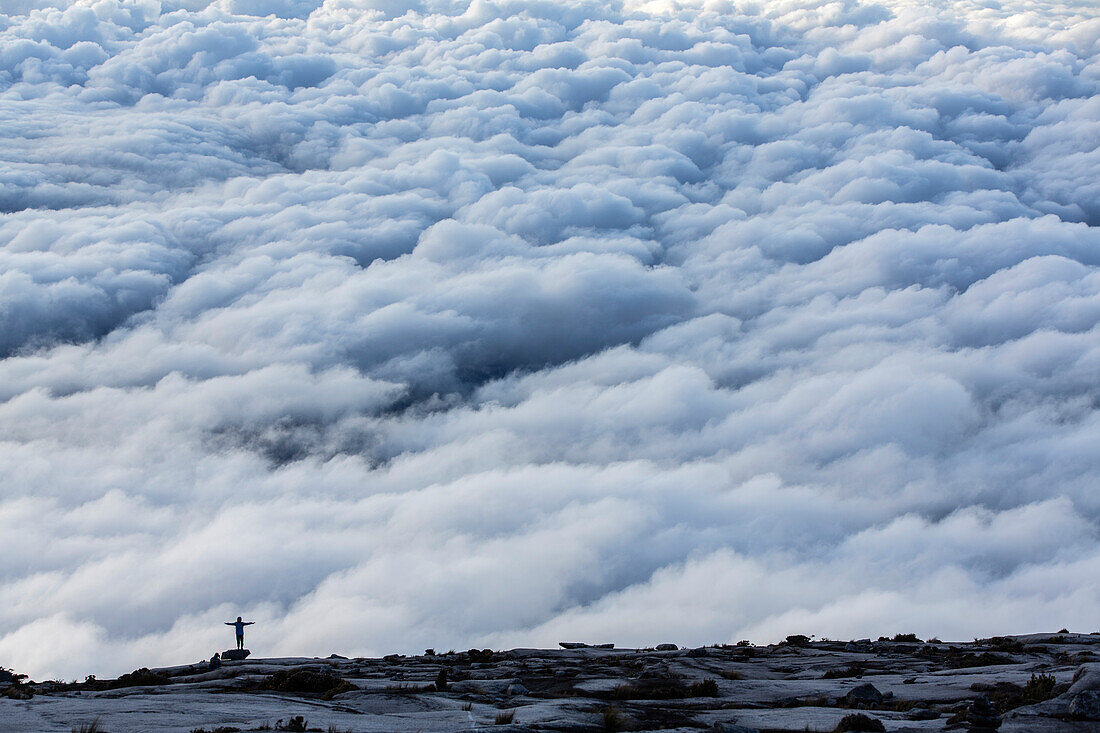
column 1033, row 683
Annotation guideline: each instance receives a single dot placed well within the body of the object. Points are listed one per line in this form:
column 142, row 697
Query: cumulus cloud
column 397, row 324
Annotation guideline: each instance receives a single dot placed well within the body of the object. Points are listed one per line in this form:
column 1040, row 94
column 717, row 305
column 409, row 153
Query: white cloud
column 407, row 324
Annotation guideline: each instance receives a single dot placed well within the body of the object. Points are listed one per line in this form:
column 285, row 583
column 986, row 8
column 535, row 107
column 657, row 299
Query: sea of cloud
column 392, row 325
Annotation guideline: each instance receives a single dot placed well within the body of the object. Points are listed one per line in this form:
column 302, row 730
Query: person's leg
column 240, row 641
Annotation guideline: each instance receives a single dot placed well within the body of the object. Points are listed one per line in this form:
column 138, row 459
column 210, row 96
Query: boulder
column 859, row 722
column 516, row 688
column 666, row 647
column 235, row 655
column 1085, row 705
column 982, row 718
column 1087, row 677
column 572, row 645
column 865, row 694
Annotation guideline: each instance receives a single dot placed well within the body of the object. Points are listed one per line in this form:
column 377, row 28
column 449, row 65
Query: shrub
column 143, row 677
column 852, row 670
column 92, row 727
column 441, row 680
column 304, row 681
column 1039, row 688
column 612, row 720
column 858, row 722
column 706, row 688
column 8, row 677
column 504, row 717
column 1005, row 644
column 797, row 640
column 911, row 638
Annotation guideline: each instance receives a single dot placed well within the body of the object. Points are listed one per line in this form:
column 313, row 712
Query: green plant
column 92, row 727
column 305, row 682
column 1039, row 688
column 612, row 720
column 912, row 638
column 143, row 677
column 467, row 706
column 504, row 717
column 706, row 688
column 852, row 670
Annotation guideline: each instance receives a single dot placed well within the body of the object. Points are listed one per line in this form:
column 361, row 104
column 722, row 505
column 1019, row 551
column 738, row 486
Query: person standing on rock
column 239, row 626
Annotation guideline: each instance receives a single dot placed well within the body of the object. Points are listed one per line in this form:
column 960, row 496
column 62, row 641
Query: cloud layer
column 395, row 325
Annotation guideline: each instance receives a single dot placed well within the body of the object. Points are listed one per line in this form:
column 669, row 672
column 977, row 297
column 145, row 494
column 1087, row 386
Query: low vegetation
column 858, row 722
column 302, row 681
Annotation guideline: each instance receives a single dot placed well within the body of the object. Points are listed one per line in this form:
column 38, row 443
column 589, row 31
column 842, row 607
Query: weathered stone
column 666, row 647
column 235, row 655
column 516, row 688
column 1085, row 705
column 981, row 717
column 865, row 694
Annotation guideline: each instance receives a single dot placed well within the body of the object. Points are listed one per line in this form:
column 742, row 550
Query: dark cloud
column 398, row 325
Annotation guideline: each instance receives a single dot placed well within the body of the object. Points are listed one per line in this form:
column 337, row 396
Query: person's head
column 238, row 618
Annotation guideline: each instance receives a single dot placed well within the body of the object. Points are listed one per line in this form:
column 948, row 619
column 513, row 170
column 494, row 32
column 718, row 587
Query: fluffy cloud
column 404, row 324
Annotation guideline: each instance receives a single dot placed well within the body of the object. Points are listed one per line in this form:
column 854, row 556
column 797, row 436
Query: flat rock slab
column 907, row 686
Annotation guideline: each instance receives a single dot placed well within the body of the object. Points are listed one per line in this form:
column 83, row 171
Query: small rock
column 923, row 714
column 1085, row 705
column 699, row 652
column 235, row 655
column 516, row 688
column 865, row 694
column 666, row 647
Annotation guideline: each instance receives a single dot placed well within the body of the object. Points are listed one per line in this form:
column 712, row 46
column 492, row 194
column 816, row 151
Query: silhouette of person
column 239, row 625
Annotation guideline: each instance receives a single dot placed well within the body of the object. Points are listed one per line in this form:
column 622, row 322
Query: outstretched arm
column 229, row 623
column 249, row 623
